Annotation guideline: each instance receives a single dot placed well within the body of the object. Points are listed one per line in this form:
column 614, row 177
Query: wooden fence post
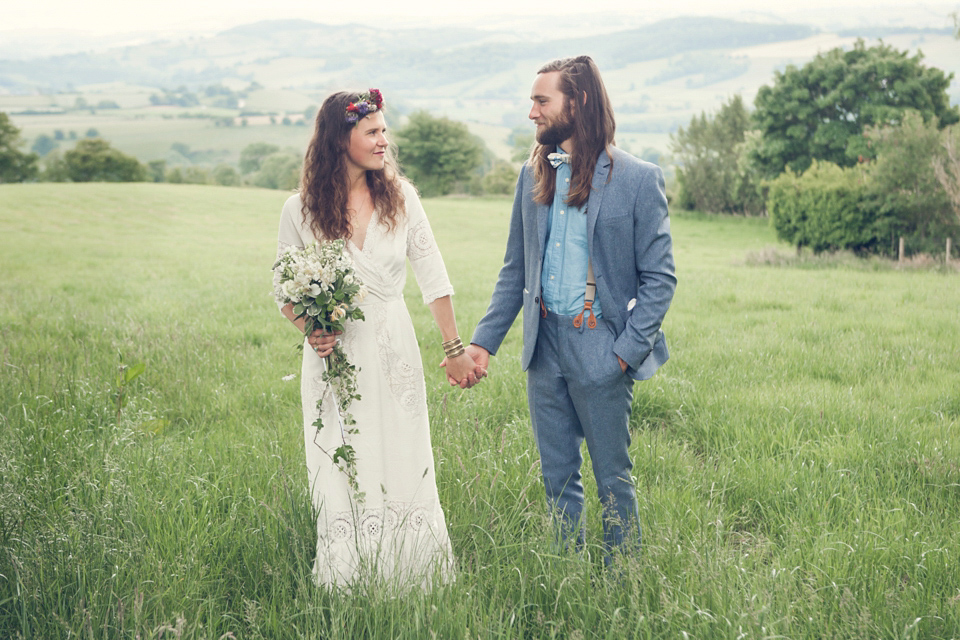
column 949, row 242
column 900, row 254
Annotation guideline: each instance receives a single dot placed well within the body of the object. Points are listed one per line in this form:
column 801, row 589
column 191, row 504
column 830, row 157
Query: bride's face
column 367, row 148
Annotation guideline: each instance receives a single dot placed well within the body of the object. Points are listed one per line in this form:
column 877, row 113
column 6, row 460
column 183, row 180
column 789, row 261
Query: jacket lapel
column 543, row 211
column 600, row 174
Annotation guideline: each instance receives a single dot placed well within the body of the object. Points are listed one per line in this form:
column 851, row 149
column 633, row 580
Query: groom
column 589, row 260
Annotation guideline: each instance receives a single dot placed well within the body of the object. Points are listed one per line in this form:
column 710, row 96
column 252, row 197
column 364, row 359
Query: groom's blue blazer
column 628, row 231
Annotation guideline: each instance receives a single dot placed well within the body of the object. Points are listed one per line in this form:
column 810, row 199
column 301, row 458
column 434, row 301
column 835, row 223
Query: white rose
column 291, row 290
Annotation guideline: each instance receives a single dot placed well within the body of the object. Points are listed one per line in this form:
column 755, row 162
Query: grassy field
column 796, row 460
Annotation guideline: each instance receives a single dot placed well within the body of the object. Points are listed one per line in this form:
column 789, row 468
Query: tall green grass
column 796, row 460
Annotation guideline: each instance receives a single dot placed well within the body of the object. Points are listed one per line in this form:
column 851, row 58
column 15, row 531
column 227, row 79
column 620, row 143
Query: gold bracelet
column 456, row 352
column 451, row 342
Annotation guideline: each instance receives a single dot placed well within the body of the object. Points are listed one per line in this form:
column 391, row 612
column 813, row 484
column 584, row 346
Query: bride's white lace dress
column 397, row 535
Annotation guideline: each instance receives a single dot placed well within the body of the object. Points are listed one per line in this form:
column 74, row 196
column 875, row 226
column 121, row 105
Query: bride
column 392, row 531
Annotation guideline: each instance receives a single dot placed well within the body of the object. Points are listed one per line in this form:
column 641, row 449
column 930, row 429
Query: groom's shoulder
column 525, row 178
column 630, row 166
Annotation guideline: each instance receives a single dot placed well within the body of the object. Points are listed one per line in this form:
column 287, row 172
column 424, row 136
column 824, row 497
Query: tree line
column 439, row 155
column 854, row 150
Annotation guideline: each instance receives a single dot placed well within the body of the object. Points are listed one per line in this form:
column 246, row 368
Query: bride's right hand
column 322, row 343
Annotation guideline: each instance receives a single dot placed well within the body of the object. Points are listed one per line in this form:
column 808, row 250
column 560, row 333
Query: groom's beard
column 557, row 131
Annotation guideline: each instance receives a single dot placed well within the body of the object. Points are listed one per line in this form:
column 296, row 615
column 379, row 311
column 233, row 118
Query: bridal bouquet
column 320, row 282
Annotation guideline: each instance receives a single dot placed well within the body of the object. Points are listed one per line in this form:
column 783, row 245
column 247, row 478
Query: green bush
column 94, row 160
column 501, row 179
column 904, row 187
column 54, row 168
column 225, row 175
column 825, row 209
column 867, row 208
column 196, row 175
column 280, row 170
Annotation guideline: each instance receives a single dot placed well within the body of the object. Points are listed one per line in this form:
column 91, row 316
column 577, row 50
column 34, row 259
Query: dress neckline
column 366, row 235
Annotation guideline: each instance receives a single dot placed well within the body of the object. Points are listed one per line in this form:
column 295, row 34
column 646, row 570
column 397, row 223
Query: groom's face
column 551, row 111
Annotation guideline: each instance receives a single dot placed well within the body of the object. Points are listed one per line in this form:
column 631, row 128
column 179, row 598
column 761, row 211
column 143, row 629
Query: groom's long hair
column 593, row 129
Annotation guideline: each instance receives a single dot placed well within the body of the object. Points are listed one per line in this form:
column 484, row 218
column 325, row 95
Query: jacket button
column 537, row 300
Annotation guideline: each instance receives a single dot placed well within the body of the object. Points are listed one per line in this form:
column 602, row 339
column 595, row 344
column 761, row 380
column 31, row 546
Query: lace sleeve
column 424, row 254
column 288, row 236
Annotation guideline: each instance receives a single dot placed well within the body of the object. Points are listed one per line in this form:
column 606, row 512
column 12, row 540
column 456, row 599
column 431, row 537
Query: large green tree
column 437, row 153
column 707, row 153
column 821, row 110
column 15, row 165
column 903, row 185
column 94, row 160
column 947, row 168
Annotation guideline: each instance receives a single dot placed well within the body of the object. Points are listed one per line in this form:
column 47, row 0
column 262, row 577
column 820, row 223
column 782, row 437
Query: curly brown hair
column 593, row 131
column 323, row 186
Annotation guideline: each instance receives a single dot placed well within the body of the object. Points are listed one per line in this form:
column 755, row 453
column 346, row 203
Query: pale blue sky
column 118, row 16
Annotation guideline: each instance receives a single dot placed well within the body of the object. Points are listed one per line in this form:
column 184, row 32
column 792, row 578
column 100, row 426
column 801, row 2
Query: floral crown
column 366, row 103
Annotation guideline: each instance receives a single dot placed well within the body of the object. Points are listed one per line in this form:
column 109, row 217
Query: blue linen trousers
column 577, row 391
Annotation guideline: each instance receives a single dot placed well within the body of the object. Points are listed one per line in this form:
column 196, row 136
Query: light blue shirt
column 565, row 256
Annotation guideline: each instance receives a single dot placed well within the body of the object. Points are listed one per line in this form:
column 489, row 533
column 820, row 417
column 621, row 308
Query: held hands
column 322, row 343
column 468, row 368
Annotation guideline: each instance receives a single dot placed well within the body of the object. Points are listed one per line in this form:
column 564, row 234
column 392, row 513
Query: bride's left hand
column 462, row 371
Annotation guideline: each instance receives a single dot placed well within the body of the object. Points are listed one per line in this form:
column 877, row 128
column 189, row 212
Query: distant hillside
column 249, row 82
column 418, row 57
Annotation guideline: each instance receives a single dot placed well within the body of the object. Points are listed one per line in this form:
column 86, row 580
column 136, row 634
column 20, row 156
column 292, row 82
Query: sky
column 112, row 17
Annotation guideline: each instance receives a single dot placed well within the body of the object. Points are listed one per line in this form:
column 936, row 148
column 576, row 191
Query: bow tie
column 557, row 159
